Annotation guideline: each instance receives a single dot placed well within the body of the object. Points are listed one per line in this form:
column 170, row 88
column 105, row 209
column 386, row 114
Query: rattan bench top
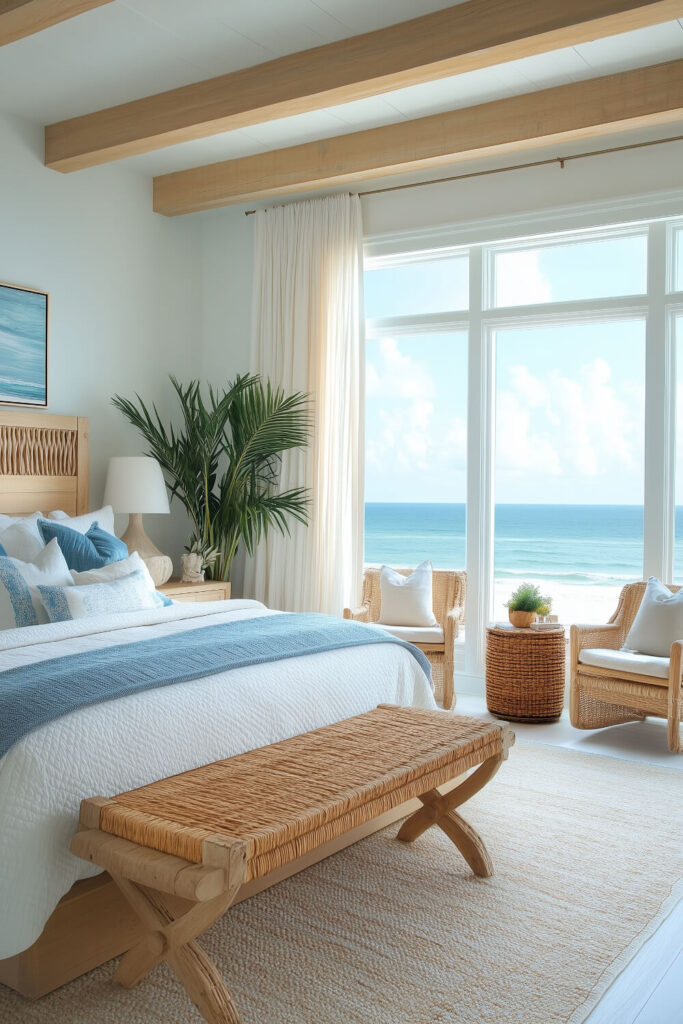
column 291, row 797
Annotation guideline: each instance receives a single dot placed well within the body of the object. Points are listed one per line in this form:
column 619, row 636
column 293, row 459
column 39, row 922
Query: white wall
column 581, row 184
column 124, row 288
column 227, row 258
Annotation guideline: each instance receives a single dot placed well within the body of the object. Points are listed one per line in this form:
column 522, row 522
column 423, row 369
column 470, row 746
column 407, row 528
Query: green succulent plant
column 223, row 462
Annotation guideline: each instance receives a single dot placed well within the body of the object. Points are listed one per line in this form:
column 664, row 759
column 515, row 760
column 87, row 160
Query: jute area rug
column 587, row 852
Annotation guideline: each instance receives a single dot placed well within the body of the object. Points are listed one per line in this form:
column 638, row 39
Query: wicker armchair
column 448, row 601
column 599, row 696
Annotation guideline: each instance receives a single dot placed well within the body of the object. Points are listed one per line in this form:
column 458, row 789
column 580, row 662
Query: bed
column 51, row 927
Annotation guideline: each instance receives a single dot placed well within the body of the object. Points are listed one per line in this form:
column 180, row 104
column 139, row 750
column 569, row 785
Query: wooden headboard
column 44, row 463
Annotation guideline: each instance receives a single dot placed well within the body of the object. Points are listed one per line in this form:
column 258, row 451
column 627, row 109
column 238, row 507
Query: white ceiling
column 133, row 48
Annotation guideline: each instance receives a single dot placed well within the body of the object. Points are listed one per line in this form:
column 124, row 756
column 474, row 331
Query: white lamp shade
column 135, row 484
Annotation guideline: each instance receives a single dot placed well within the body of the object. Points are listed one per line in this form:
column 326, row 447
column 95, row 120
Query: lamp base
column 159, row 565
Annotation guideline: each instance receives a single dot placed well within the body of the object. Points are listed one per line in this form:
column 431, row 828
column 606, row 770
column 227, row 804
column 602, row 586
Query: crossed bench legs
column 439, row 809
column 151, row 883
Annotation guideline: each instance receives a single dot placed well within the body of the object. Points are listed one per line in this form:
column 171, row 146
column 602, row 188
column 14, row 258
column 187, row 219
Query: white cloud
column 391, row 373
column 578, row 427
column 520, row 280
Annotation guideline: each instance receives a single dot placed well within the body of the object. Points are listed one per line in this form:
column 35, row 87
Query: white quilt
column 121, row 744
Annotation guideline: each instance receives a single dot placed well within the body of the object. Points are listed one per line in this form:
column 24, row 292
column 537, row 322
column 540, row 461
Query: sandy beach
column 572, row 603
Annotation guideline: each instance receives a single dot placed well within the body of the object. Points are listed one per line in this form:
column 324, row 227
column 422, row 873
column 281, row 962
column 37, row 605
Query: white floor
column 650, row 989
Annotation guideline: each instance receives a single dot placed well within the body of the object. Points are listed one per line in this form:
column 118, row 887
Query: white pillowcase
column 128, row 594
column 115, row 571
column 658, row 622
column 20, row 601
column 6, row 521
column 103, row 516
column 406, row 600
column 22, row 539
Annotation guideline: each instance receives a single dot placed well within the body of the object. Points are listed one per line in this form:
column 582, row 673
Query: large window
column 509, row 426
column 570, row 402
column 585, row 268
column 416, row 449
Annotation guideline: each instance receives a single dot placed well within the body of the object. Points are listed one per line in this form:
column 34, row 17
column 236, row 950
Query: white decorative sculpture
column 192, row 568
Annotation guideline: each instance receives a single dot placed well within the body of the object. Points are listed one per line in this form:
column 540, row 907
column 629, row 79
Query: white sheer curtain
column 307, row 336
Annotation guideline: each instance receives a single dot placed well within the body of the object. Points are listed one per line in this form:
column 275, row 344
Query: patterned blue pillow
column 129, row 594
column 20, row 601
column 84, row 551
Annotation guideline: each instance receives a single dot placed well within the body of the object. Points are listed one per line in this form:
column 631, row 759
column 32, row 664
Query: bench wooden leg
column 172, row 938
column 439, row 809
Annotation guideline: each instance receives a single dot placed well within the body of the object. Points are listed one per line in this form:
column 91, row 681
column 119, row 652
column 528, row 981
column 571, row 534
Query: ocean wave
column 550, row 575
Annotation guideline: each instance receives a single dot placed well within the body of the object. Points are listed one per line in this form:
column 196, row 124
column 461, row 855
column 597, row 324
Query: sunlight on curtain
column 308, row 316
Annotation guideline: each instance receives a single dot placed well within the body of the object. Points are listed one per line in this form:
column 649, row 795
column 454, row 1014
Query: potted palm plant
column 525, row 603
column 223, row 462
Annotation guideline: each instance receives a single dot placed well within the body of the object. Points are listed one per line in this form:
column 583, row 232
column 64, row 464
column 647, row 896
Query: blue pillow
column 83, row 551
column 107, row 545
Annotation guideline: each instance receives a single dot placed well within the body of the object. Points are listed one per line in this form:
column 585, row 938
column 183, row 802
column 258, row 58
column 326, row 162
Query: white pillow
column 103, row 516
column 20, row 601
column 114, row 571
column 6, row 521
column 22, row 540
column 406, row 600
column 128, row 594
column 658, row 622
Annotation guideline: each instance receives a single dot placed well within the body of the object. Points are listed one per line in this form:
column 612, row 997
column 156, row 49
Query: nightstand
column 209, row 590
column 525, row 673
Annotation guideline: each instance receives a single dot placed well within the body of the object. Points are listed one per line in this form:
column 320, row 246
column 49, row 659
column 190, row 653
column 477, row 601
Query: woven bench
column 199, row 836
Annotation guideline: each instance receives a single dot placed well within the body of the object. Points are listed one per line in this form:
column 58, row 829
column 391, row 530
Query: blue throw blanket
column 32, row 695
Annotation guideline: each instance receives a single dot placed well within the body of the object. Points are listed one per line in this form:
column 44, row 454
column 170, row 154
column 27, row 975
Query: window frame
column 658, row 306
column 554, row 241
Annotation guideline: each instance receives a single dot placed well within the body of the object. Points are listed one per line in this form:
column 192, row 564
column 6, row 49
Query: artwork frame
column 24, row 319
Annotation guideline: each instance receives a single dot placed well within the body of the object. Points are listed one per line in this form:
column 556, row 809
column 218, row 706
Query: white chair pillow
column 406, row 600
column 659, row 621
column 20, row 601
column 103, row 516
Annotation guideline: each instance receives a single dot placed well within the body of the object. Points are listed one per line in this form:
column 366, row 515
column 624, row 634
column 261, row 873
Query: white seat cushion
column 415, row 634
column 626, row 661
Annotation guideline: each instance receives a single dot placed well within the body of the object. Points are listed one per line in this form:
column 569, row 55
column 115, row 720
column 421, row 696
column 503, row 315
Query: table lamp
column 135, row 484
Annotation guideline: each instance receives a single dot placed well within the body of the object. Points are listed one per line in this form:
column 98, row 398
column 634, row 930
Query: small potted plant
column 524, row 604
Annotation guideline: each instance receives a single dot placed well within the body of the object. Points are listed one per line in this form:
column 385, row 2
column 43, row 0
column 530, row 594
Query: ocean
column 22, row 346
column 569, row 550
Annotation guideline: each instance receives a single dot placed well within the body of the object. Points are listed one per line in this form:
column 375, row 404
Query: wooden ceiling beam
column 20, row 18
column 632, row 99
column 471, row 35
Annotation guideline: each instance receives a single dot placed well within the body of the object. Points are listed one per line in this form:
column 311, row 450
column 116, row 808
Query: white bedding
column 121, row 744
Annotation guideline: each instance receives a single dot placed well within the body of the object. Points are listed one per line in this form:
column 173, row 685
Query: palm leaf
column 223, row 461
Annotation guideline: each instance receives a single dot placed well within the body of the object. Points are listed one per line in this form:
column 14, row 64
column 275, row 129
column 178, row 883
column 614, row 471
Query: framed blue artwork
column 23, row 346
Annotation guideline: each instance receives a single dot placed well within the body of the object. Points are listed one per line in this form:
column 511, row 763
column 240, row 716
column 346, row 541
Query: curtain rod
column 560, row 160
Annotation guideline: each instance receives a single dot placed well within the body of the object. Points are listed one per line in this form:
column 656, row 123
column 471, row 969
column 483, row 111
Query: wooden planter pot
column 521, row 619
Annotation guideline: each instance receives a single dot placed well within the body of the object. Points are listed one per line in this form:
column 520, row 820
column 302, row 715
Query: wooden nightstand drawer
column 210, row 590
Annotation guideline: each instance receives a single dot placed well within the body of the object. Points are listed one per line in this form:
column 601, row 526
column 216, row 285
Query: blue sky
column 569, row 398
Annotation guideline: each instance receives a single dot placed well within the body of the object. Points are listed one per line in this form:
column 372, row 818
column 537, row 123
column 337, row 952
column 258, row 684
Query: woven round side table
column 525, row 673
